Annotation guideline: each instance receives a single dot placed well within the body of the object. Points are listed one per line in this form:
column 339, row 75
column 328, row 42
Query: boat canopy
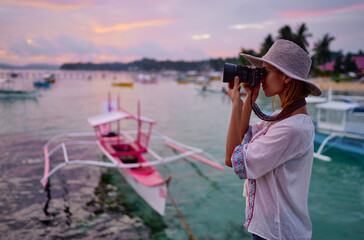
column 336, row 116
column 114, row 116
column 336, row 105
column 107, row 118
column 313, row 99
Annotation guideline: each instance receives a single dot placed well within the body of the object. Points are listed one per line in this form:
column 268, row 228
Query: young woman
column 274, row 158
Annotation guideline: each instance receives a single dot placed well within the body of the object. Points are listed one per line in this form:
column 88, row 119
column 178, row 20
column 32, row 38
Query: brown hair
column 295, row 90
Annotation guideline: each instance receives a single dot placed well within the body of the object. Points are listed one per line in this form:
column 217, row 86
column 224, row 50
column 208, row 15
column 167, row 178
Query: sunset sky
column 54, row 32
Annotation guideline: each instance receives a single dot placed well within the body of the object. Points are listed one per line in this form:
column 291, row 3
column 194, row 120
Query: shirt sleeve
column 238, row 157
column 265, row 152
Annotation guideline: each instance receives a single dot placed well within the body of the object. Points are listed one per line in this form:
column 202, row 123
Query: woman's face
column 274, row 81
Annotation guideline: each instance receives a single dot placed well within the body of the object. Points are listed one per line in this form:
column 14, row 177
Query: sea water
column 84, row 202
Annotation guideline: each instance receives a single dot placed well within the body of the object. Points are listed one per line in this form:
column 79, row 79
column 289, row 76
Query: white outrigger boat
column 126, row 150
column 339, row 124
column 9, row 90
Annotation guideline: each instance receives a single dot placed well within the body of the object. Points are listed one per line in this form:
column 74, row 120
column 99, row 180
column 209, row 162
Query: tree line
column 321, row 55
column 147, row 64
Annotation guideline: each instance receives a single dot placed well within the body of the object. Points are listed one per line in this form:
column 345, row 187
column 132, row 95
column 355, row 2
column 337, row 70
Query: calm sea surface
column 95, row 203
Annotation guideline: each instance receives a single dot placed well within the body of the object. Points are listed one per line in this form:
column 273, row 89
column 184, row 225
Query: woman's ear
column 286, row 79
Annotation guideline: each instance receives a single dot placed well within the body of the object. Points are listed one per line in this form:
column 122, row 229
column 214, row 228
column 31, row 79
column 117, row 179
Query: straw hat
column 290, row 59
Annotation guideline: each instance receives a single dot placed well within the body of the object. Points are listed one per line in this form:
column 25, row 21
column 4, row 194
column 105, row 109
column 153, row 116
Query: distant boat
column 191, row 75
column 215, row 76
column 202, row 80
column 208, row 88
column 182, row 80
column 122, row 84
column 45, row 81
column 41, row 84
column 7, row 89
column 49, row 78
column 17, row 94
column 146, row 78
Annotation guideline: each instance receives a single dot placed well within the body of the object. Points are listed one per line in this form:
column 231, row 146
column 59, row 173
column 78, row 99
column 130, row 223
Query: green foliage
column 338, row 67
column 317, row 72
column 342, row 79
column 349, row 64
column 285, row 32
column 216, row 64
column 242, row 60
column 322, row 49
column 299, row 37
column 344, row 65
column 151, row 65
column 268, row 42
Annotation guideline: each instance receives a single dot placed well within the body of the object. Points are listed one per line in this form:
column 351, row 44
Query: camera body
column 246, row 75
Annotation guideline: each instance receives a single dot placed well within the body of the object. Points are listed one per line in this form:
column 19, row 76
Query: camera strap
column 283, row 114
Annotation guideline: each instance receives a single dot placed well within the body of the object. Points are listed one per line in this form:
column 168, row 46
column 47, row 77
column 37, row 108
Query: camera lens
column 229, row 72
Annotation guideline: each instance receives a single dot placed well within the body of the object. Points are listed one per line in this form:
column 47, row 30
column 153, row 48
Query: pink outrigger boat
column 127, row 150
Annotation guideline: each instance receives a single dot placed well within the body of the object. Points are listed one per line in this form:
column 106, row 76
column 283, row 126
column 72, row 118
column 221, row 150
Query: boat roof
column 148, row 120
column 313, row 99
column 112, row 117
column 107, row 118
column 336, row 105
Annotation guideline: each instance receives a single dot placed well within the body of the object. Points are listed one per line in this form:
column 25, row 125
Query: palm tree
column 322, row 49
column 285, row 32
column 268, row 42
column 300, row 38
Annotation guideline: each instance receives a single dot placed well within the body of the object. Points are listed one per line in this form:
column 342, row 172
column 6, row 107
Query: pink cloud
column 127, row 26
column 303, row 14
column 50, row 5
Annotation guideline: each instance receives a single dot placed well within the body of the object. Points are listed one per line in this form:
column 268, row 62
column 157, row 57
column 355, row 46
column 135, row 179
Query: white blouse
column 277, row 160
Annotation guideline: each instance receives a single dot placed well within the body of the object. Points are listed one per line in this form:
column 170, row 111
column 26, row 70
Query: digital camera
column 246, row 75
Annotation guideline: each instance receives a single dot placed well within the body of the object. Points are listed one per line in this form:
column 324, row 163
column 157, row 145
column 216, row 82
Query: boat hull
column 345, row 143
column 155, row 195
column 42, row 84
column 18, row 94
column 122, row 84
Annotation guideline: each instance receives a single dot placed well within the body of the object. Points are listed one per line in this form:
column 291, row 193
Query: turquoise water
column 91, row 203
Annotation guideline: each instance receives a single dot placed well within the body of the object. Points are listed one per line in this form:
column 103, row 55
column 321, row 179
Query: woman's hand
column 234, row 91
column 248, row 89
column 233, row 137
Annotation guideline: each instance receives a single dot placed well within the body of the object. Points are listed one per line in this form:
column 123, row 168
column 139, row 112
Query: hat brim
column 258, row 62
